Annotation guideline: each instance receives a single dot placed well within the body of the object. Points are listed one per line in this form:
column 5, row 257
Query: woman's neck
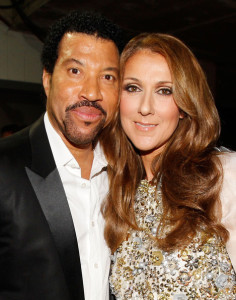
column 147, row 163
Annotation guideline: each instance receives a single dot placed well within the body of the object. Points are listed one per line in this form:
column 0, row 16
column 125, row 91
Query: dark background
column 208, row 27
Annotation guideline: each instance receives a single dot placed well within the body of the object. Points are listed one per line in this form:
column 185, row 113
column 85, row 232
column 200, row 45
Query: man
column 53, row 174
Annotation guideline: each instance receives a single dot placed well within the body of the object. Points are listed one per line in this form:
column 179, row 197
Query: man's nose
column 91, row 89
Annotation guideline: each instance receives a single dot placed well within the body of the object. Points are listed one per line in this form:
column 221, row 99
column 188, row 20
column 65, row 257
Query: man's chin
column 82, row 139
column 83, row 134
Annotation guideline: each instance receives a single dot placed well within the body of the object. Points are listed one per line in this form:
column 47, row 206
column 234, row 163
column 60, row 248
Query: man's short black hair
column 91, row 23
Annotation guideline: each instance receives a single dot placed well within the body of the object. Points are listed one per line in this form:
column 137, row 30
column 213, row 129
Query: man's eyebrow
column 69, row 60
column 114, row 69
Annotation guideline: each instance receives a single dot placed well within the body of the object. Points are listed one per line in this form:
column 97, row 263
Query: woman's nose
column 146, row 104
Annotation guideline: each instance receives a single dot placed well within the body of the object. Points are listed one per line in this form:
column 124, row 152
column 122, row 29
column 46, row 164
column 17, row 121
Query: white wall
column 19, row 56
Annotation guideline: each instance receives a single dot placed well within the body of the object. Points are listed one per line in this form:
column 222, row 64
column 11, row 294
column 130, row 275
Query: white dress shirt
column 85, row 198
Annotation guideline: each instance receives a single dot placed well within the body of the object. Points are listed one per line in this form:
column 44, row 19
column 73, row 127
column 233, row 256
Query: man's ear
column 46, row 81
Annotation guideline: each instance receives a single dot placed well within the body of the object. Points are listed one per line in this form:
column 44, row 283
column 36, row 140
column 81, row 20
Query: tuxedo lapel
column 48, row 188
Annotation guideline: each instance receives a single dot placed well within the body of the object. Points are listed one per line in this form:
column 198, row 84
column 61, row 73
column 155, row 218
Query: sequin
column 221, row 281
column 156, row 258
column 141, row 271
column 180, row 297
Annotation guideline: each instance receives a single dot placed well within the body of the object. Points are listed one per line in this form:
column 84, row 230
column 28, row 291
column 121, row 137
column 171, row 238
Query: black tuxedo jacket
column 39, row 257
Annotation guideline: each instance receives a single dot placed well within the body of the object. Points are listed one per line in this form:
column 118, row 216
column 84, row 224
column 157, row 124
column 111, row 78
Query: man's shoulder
column 19, row 141
column 14, row 147
column 14, row 140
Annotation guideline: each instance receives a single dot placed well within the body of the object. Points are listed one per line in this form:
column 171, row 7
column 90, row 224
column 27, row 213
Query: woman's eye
column 131, row 88
column 165, row 91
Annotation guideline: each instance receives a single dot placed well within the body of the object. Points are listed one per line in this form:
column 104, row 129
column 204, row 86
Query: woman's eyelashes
column 133, row 88
column 165, row 91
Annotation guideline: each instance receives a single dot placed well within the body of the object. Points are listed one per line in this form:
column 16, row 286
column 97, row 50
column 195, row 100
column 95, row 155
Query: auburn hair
column 189, row 166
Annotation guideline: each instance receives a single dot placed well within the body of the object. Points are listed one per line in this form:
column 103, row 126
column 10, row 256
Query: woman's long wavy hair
column 189, row 166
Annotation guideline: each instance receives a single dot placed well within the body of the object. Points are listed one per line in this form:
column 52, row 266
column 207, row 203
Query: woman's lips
column 145, row 126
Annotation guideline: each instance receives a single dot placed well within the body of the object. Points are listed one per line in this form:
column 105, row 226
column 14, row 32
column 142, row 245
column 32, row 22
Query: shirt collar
column 99, row 161
column 62, row 154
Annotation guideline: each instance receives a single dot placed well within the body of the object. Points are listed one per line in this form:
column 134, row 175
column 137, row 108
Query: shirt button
column 83, row 185
column 93, row 224
column 96, row 266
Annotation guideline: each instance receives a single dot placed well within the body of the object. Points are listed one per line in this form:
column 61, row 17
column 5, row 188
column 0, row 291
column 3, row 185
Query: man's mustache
column 86, row 103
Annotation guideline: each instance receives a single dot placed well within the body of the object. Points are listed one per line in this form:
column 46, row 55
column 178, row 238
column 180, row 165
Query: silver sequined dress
column 142, row 271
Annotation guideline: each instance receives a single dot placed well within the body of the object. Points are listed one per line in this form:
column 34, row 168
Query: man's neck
column 83, row 154
column 84, row 157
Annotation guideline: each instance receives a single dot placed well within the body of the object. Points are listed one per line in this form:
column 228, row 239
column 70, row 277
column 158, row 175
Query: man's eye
column 165, row 91
column 109, row 77
column 131, row 88
column 74, row 71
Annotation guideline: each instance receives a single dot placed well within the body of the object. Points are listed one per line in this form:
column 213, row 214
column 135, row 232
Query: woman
column 171, row 208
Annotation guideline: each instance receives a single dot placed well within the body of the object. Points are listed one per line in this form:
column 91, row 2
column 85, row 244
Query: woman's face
column 149, row 115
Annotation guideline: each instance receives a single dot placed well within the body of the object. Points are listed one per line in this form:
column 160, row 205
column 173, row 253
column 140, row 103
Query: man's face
column 82, row 91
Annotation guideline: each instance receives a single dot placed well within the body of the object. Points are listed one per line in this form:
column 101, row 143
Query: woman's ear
column 182, row 114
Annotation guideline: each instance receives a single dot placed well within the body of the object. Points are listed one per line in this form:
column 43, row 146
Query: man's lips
column 145, row 126
column 87, row 113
